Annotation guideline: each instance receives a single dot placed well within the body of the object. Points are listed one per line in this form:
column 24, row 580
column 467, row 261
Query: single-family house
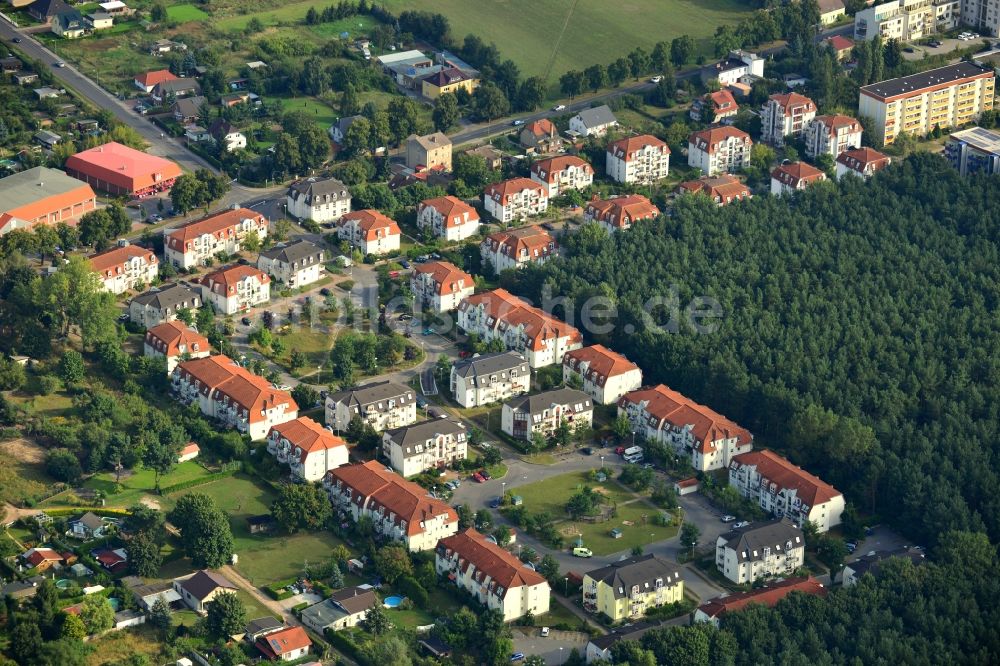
column 226, row 135
column 842, row 46
column 147, row 594
column 831, row 11
column 262, row 626
column 41, row 559
column 540, row 136
column 715, row 108
column 737, row 67
column 45, row 11
column 165, row 91
column 448, row 80
column 149, row 80
column 189, row 451
column 200, row 588
column 98, row 21
column 489, row 154
column 284, row 645
column 187, row 110
column 593, row 122
column 344, row 609
column 69, row 24
column 47, row 139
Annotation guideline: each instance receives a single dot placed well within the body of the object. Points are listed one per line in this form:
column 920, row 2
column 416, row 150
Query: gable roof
column 601, row 363
column 219, row 377
column 105, row 262
column 489, row 364
column 538, row 402
column 169, row 337
column 749, row 542
column 663, row 406
column 189, row 106
column 47, row 8
column 355, row 599
column 369, row 222
column 307, row 435
column 621, row 211
column 769, row 595
column 549, row 168
column 778, row 470
column 90, row 520
column 490, row 560
column 37, row 556
column 532, row 241
column 542, row 128
column 224, row 280
column 597, row 116
column 204, row 582
column 840, row 43
column 706, row 140
column 297, row 250
column 722, row 187
column 374, row 393
column 219, row 224
column 625, row 149
column 167, row 296
column 266, row 623
column 446, row 276
column 506, row 189
column 723, row 100
column 276, row 644
column 794, row 173
column 861, row 158
column 642, row 571
column 452, row 209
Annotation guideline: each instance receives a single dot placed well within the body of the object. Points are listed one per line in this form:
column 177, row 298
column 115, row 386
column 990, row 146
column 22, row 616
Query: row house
column 160, row 305
column 785, row 115
column 174, row 341
column 235, row 288
column 719, row 150
column 399, row 510
column 515, row 199
column 448, row 218
column 629, row 588
column 619, row 213
column 233, row 395
column 605, row 375
column 542, row 339
column 318, row 199
column 715, row 108
column 642, row 160
column 543, row 413
column 296, row 264
column 440, row 285
column 831, row 135
column 768, row 550
column 489, row 378
column 369, row 231
column 784, row 490
column 309, row 449
column 723, row 190
column 125, row 267
column 794, row 176
column 863, row 162
column 382, row 405
column 517, row 247
column 715, row 609
column 493, row 576
column 193, row 244
column 708, row 438
column 433, row 444
column 562, row 173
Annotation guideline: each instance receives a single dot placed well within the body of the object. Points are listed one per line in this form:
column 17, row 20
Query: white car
column 559, row 107
column 728, row 519
column 545, row 632
column 656, row 79
column 742, row 523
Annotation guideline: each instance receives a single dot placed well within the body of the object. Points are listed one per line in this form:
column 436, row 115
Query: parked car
column 517, row 123
column 486, row 475
column 464, row 354
column 421, row 402
column 394, row 274
column 478, row 478
column 17, row 40
column 742, row 523
column 517, row 656
column 495, row 503
column 586, row 451
column 245, row 321
column 545, row 632
column 656, row 79
column 851, row 547
column 324, row 292
column 421, row 259
column 580, row 551
column 559, row 107
column 123, row 317
column 404, row 263
column 428, row 331
column 728, row 519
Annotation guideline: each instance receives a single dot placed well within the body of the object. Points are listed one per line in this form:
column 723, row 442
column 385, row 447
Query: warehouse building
column 118, row 169
column 42, row 196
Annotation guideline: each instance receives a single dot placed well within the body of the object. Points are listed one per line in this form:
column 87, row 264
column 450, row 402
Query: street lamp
column 566, row 589
column 503, row 491
column 602, row 462
column 561, row 655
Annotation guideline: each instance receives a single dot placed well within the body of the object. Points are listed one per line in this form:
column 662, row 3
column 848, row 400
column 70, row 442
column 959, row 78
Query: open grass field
column 133, row 486
column 185, row 13
column 110, row 60
column 22, row 474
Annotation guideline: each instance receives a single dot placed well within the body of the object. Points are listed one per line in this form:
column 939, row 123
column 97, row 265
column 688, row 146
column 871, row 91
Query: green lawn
column 321, row 113
column 552, row 494
column 137, row 484
column 597, row 536
column 353, row 26
column 439, row 602
column 185, row 13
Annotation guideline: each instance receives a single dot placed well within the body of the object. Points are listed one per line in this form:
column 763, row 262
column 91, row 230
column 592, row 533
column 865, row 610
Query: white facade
column 785, row 116
column 295, row 265
column 383, row 405
column 832, row 135
column 982, row 15
column 432, row 444
column 318, row 200
column 641, row 159
column 719, row 150
column 515, row 199
column 605, row 375
column 125, row 267
column 909, row 20
column 451, row 220
column 148, row 311
column 190, row 245
column 559, row 174
column 440, row 286
column 766, row 556
column 238, row 292
column 490, row 378
column 739, row 65
column 307, row 448
column 369, row 231
column 543, row 413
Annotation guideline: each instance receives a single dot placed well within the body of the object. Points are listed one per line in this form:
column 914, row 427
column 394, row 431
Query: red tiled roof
column 512, row 311
column 840, row 43
column 221, row 375
column 533, row 240
column 860, row 158
column 721, row 188
column 549, row 168
column 793, row 173
column 620, row 211
column 603, row 363
column 667, row 406
column 224, row 280
column 123, row 167
column 792, row 101
column 541, row 128
column 37, row 556
column 687, row 483
column 307, row 435
column 505, row 189
column 625, row 149
column 105, row 262
column 809, row 488
column 445, row 275
column 723, row 101
column 452, row 209
column 190, row 448
column 168, row 338
column 489, row 559
column 706, row 140
column 274, row 645
column 369, row 222
column 836, row 122
column 150, row 79
column 766, row 596
column 221, row 225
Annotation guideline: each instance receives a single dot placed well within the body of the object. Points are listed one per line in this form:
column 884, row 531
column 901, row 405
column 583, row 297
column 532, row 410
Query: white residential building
column 862, row 162
column 766, row 550
column 236, row 288
column 384, row 405
column 562, row 173
column 832, row 135
column 974, row 150
column 159, row 305
column 190, row 245
column 642, row 159
column 433, row 444
column 448, row 217
column 517, row 248
column 369, row 231
column 295, row 265
column 125, row 267
column 794, row 176
column 593, row 122
column 309, row 449
column 738, row 67
column 489, row 378
column 493, row 576
column 909, row 20
column 543, row 413
column 719, row 150
column 785, row 115
column 606, row 375
column 515, row 199
column 318, row 199
column 619, row 213
column 440, row 285
column 175, row 341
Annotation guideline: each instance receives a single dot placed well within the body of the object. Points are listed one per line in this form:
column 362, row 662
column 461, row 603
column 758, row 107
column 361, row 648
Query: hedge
column 340, row 641
column 208, row 478
column 81, row 510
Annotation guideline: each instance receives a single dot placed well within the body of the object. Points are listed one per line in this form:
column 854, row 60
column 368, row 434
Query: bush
column 47, row 384
column 413, row 590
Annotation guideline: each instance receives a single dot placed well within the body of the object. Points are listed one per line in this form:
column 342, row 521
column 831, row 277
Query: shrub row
column 209, row 478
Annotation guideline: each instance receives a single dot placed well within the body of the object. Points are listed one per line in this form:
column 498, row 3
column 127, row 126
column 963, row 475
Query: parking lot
column 554, row 648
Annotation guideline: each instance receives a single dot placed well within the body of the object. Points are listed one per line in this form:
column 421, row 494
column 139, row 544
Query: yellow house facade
column 449, row 80
column 628, row 588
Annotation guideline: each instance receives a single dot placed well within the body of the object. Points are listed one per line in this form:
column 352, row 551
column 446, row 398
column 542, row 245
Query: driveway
column 554, row 648
column 267, row 602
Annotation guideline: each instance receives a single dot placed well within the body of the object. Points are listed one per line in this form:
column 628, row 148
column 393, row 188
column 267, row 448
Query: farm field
column 185, row 13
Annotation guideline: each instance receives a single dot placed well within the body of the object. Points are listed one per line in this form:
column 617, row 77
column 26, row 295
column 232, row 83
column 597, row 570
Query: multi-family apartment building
column 236, row 288
column 724, row 189
column 982, row 16
column 399, row 509
column 383, row 405
column 975, row 150
column 192, row 244
column 489, row 378
column 794, row 176
column 318, row 199
column 785, row 115
column 369, row 231
column 605, row 375
column 295, row 265
column 125, row 267
column 619, row 213
column 515, row 199
column 639, row 159
column 738, row 67
column 715, row 609
column 233, row 395
column 159, row 305
column 431, row 152
column 544, row 412
column 432, row 444
column 493, row 576
column 628, row 588
column 708, row 438
column 766, row 550
column 831, row 135
column 719, row 150
column 862, row 162
column 174, row 341
column 720, row 104
column 448, row 217
column 309, row 449
column 948, row 96
column 542, row 339
column 440, row 285
column 907, row 20
column 561, row 173
column 516, row 248
column 786, row 490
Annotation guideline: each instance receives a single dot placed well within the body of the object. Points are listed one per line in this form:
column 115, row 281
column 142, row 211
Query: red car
column 620, row 450
column 478, row 478
column 463, row 354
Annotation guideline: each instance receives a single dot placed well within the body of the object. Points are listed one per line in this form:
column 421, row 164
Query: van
column 580, row 551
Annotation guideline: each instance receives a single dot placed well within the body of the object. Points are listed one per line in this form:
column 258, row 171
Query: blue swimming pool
column 63, row 583
column 115, row 603
column 393, row 601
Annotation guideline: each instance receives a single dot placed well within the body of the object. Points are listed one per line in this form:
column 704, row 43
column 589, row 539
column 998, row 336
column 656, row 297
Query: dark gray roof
column 69, row 19
column 630, row 632
column 294, row 251
column 90, row 520
column 177, row 85
column 643, row 571
column 419, row 433
column 354, row 599
column 599, row 115
column 344, row 123
column 48, row 7
column 167, row 296
column 749, row 543
column 323, row 614
column 872, row 563
column 204, row 582
column 21, row 588
column 266, row 623
column 189, row 106
column 374, row 393
column 932, row 77
column 490, row 364
column 329, row 188
column 532, row 404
